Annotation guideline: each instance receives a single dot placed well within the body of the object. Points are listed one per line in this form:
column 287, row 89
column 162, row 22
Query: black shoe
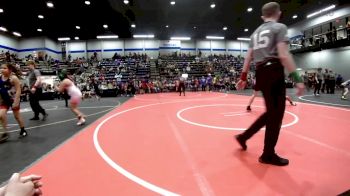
column 273, row 160
column 249, row 109
column 44, row 116
column 241, row 142
column 23, row 133
column 4, row 137
column 35, row 118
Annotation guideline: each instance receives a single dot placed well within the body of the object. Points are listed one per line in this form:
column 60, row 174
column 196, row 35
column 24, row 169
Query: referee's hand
column 241, row 85
column 300, row 88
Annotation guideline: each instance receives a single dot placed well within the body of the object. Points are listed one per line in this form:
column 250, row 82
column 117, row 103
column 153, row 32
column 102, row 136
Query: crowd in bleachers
column 8, row 57
column 130, row 75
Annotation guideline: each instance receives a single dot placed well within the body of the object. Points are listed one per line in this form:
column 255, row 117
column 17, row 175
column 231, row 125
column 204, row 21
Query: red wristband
column 244, row 76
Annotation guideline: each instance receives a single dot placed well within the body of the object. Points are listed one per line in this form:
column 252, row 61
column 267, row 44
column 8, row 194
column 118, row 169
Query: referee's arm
column 285, row 57
column 288, row 62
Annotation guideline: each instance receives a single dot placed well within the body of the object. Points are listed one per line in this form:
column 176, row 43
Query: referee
column 35, row 91
column 269, row 50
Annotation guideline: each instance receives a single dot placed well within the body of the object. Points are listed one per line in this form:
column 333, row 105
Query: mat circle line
column 178, row 114
column 319, row 102
column 135, row 178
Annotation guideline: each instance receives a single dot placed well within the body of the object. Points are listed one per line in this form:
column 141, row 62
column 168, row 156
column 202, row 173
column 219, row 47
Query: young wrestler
column 73, row 92
column 10, row 95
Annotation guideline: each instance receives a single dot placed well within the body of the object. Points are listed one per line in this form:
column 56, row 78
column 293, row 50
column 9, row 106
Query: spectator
column 334, row 33
column 338, row 81
column 325, row 81
column 331, row 82
column 318, row 82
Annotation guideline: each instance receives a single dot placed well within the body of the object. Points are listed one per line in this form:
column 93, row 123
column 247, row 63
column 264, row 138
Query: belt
column 268, row 62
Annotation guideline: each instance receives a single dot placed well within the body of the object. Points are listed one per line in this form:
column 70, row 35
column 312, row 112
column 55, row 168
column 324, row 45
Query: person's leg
column 179, row 89
column 65, row 96
column 273, row 88
column 315, row 88
column 345, row 92
column 33, row 104
column 19, row 119
column 275, row 107
column 75, row 110
column 327, row 87
column 333, row 87
column 255, row 127
column 38, row 93
column 98, row 96
column 323, row 86
column 3, row 118
column 275, row 98
column 251, row 100
column 74, row 107
column 259, row 123
column 319, row 87
column 290, row 101
column 184, row 89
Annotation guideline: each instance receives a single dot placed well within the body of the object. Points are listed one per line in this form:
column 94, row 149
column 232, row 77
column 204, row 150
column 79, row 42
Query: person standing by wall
column 318, row 82
column 182, row 86
column 325, row 81
column 35, row 91
column 306, row 80
column 269, row 50
column 209, row 82
column 331, row 82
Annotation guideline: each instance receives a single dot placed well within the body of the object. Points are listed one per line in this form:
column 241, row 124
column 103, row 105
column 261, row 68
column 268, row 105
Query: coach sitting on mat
column 269, row 50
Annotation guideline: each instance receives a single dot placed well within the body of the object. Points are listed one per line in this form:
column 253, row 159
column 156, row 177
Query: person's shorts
column 3, row 106
column 75, row 100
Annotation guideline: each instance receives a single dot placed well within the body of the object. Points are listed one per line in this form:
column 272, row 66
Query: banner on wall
column 170, row 44
column 169, row 47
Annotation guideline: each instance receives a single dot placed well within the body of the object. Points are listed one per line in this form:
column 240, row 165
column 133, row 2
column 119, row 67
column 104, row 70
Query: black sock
column 22, row 129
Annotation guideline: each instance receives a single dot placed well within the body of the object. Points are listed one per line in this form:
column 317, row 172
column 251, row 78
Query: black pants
column 270, row 80
column 331, row 86
column 34, row 103
column 182, row 88
column 318, row 87
column 66, row 97
column 325, row 85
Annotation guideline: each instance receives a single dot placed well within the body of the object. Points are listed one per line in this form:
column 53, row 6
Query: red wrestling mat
column 163, row 144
